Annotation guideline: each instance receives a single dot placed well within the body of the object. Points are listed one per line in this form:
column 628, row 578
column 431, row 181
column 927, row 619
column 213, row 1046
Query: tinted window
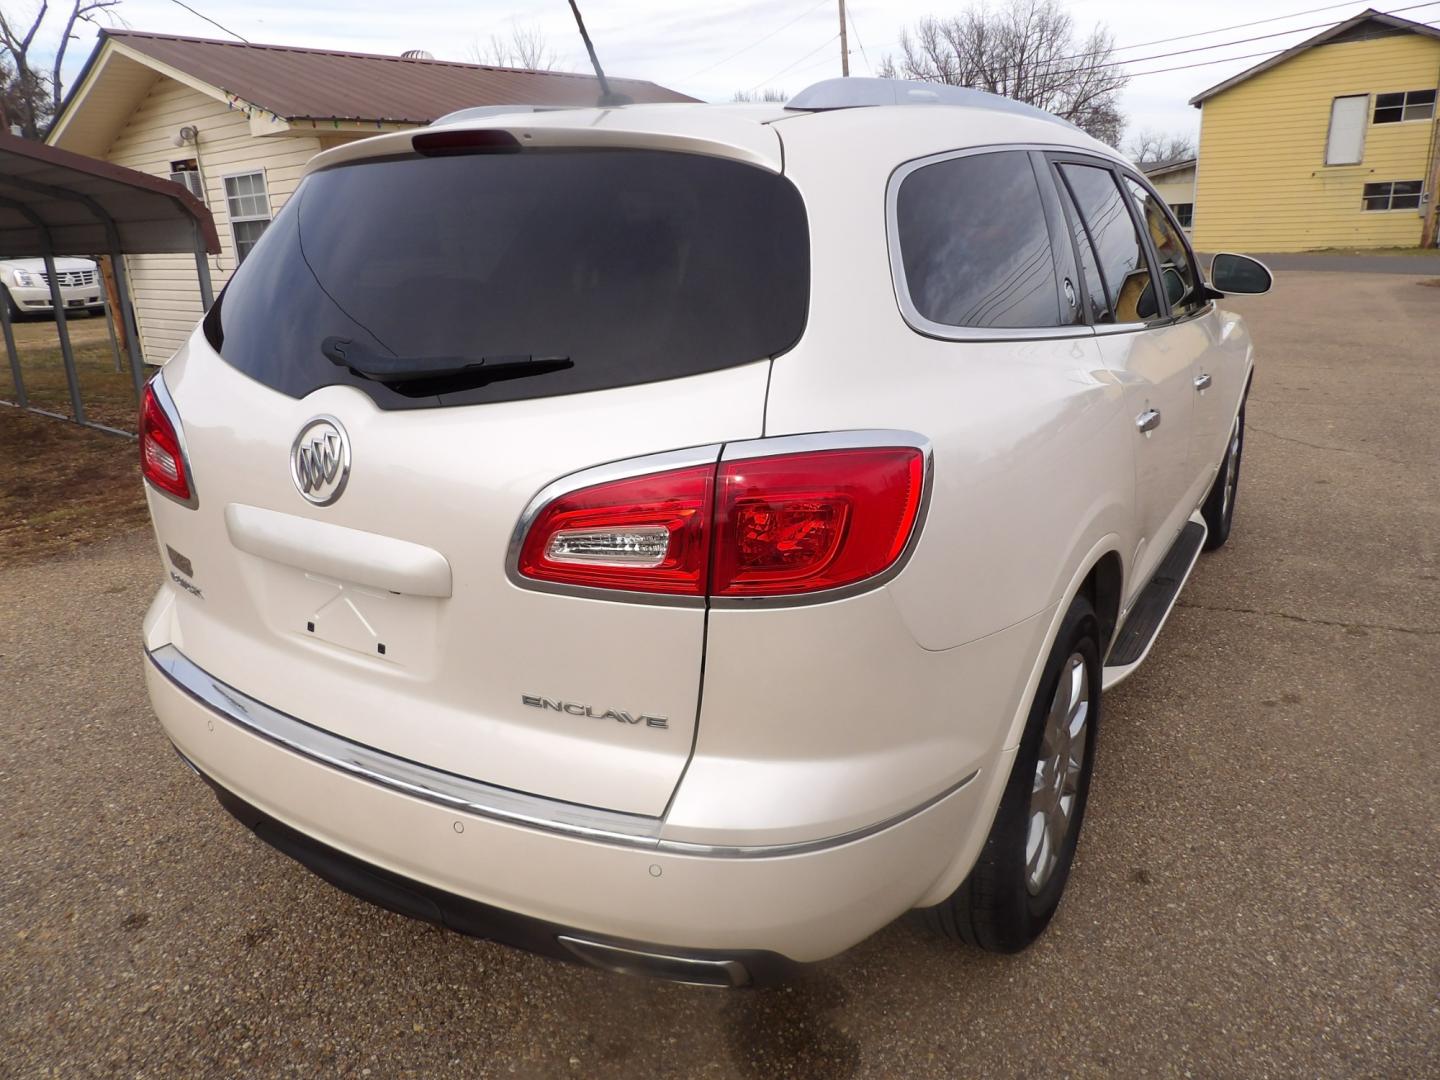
column 974, row 244
column 1118, row 250
column 1098, row 301
column 637, row 265
column 1177, row 270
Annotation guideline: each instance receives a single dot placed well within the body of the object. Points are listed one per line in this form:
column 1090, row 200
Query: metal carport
column 54, row 202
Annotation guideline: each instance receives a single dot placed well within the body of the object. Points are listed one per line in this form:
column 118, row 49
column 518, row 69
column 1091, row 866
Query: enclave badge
column 320, row 460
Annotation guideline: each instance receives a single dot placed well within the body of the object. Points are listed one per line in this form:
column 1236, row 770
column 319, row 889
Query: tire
column 11, row 311
column 1016, row 884
column 1218, row 509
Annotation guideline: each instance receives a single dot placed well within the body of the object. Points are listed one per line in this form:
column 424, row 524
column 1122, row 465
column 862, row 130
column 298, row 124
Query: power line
column 757, row 41
column 1206, row 33
column 824, row 44
column 1237, row 26
column 211, row 21
column 1050, row 73
column 850, row 18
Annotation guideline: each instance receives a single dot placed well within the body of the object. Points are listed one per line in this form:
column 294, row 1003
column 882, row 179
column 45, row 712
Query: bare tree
column 770, row 93
column 1027, row 50
column 1150, row 146
column 527, row 48
column 29, row 96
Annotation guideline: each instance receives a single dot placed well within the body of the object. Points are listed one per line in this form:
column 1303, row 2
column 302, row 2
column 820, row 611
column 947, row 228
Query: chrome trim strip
column 918, row 322
column 473, row 796
column 603, row 474
column 167, row 406
column 834, row 440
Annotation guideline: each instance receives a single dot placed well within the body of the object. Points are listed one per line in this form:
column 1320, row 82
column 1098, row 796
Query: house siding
column 1262, row 182
column 1176, row 187
column 164, row 287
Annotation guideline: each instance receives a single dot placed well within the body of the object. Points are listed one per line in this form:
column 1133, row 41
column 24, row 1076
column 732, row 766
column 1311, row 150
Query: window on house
column 249, row 208
column 1411, row 105
column 1184, row 213
column 1394, row 195
column 187, row 173
column 1345, row 144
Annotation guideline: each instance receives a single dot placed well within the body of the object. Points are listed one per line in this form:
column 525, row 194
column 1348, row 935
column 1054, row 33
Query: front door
column 1151, row 353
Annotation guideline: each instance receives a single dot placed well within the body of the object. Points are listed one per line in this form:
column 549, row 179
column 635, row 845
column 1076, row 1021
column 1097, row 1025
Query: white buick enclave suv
column 684, row 538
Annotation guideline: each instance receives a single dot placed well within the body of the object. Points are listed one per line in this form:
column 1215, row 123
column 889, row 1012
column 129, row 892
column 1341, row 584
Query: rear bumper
column 422, row 852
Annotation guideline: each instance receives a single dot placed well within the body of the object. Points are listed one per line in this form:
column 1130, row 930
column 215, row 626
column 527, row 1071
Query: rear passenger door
column 1152, row 354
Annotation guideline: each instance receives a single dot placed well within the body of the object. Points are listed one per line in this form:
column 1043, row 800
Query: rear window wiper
column 400, row 370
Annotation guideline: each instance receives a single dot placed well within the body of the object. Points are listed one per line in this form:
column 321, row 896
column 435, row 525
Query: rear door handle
column 1202, row 381
column 1148, row 420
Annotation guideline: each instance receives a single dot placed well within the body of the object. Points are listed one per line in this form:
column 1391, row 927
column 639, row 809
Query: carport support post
column 21, row 398
column 77, row 408
column 127, row 312
column 202, row 271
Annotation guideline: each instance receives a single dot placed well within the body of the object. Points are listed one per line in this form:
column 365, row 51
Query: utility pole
column 844, row 44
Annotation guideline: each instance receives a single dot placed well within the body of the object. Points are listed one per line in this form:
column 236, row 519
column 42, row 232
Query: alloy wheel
column 1061, row 760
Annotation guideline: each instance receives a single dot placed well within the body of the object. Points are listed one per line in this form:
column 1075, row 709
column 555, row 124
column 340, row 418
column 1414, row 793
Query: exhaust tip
column 691, row 971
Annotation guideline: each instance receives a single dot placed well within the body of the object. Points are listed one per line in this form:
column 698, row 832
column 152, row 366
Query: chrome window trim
column 475, row 797
column 911, row 314
column 167, row 406
column 716, row 453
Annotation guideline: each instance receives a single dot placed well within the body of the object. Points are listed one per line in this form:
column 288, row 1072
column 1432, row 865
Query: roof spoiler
column 482, row 112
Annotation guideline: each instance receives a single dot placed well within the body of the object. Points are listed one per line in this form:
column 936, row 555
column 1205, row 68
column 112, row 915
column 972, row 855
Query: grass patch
column 61, row 485
column 107, row 395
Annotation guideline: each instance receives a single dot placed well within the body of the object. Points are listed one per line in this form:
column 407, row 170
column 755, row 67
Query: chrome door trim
column 475, row 797
column 911, row 314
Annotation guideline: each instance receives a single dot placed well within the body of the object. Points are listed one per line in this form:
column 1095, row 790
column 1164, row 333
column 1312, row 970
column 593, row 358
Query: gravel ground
column 1256, row 892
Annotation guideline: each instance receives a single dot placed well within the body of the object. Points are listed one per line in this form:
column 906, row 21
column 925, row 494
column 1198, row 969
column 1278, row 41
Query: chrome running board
column 1153, row 606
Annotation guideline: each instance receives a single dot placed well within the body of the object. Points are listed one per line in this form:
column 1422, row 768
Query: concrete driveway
column 1256, row 893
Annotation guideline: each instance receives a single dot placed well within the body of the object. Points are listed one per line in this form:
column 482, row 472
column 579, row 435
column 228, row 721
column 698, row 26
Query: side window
column 1177, row 271
column 974, row 245
column 1118, row 250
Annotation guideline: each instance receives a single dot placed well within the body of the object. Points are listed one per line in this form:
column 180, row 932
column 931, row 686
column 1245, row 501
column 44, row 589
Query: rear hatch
column 624, row 302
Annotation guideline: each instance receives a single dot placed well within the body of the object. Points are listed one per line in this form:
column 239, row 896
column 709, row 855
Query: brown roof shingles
column 315, row 84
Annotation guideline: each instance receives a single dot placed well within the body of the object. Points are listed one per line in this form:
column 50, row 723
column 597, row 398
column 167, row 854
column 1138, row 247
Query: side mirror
column 1231, row 273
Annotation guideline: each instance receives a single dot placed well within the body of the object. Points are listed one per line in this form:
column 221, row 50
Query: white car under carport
column 25, row 286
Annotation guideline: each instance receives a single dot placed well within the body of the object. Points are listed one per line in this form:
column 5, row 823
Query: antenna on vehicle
column 607, row 97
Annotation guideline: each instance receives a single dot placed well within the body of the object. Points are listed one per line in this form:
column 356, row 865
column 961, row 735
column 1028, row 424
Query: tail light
column 162, row 458
column 783, row 524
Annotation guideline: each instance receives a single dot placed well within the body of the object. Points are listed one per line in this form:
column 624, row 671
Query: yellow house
column 1332, row 143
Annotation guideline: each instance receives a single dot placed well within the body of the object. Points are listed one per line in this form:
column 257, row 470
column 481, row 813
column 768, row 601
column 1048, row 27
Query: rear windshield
column 636, row 265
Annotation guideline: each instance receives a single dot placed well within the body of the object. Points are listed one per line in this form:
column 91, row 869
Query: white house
column 237, row 122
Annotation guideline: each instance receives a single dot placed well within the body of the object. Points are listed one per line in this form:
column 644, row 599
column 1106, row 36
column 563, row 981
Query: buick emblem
column 320, row 460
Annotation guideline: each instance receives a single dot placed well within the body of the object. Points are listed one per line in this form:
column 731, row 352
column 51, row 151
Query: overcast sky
column 712, row 49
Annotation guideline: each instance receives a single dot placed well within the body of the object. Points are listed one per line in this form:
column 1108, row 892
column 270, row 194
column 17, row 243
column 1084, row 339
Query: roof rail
column 857, row 93
column 482, row 112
